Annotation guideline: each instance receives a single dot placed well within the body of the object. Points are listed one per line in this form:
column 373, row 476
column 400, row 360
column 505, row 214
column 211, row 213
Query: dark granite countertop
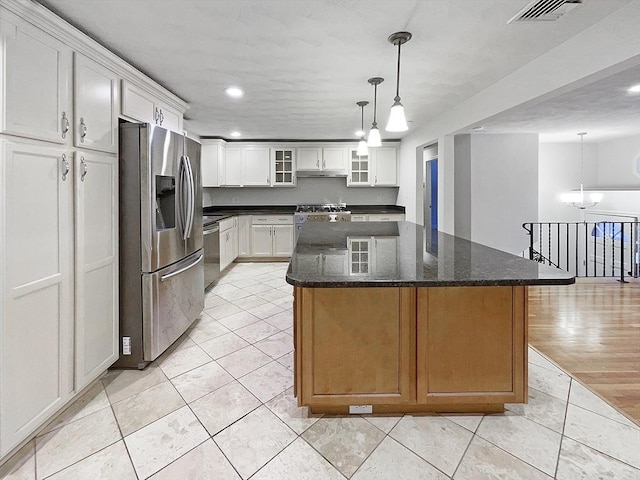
column 401, row 254
column 230, row 210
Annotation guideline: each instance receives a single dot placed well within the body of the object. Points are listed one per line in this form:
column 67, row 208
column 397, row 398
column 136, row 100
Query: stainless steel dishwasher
column 211, row 243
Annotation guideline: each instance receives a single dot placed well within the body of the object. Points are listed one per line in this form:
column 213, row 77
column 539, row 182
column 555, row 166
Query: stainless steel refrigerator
column 161, row 256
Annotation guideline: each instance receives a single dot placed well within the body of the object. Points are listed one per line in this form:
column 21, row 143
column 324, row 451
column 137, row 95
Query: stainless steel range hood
column 321, row 173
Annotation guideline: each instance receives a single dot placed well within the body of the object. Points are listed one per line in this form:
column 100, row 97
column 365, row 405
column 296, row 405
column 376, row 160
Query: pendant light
column 374, row 134
column 362, row 144
column 397, row 121
column 577, row 199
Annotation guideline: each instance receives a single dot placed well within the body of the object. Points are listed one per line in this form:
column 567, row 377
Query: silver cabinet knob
column 83, row 169
column 65, row 124
column 83, row 130
column 65, row 167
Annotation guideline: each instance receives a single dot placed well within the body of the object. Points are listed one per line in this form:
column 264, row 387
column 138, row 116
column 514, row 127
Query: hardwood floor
column 592, row 330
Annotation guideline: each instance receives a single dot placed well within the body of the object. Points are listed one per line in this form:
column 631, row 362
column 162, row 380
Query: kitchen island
column 389, row 318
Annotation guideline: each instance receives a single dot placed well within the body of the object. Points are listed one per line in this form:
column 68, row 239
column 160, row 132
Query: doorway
column 430, row 186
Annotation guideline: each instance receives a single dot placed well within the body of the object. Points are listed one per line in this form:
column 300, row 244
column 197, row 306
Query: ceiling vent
column 545, row 10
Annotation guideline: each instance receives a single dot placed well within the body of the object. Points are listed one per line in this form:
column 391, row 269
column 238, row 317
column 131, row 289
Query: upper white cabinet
column 95, row 105
column 309, row 158
column 256, row 167
column 323, row 158
column 212, row 156
column 248, row 166
column 37, row 82
column 378, row 169
column 283, row 167
column 140, row 104
column 37, row 307
column 232, row 171
column 96, row 268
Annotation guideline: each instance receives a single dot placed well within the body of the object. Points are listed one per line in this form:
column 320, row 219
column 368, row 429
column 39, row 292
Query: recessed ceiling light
column 359, row 133
column 235, row 134
column 234, row 92
column 634, row 89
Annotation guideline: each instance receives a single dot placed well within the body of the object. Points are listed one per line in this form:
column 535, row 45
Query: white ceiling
column 304, row 63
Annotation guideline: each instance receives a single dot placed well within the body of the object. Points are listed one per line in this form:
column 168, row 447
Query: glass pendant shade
column 374, row 138
column 362, row 148
column 397, row 121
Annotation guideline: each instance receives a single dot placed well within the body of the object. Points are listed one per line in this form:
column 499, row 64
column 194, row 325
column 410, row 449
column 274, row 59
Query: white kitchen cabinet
column 385, row 256
column 36, row 274
column 228, row 241
column 334, row 158
column 283, row 167
column 335, row 265
column 212, row 156
column 378, row 169
column 95, row 105
column 385, row 166
column 322, row 158
column 36, row 81
column 232, row 167
column 256, row 166
column 282, row 240
column 244, row 236
column 272, row 235
column 139, row 104
column 309, row 158
column 96, row 267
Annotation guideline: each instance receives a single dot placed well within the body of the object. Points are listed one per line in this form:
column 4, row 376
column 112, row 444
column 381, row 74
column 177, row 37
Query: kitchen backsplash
column 308, row 190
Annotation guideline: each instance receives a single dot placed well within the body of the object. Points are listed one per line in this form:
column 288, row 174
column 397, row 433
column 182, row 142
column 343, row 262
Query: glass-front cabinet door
column 283, row 167
column 359, row 169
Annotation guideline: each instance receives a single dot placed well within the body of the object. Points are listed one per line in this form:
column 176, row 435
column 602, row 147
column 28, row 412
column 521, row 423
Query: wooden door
column 471, row 344
column 95, row 105
column 36, row 315
column 357, row 345
column 37, row 83
column 96, row 213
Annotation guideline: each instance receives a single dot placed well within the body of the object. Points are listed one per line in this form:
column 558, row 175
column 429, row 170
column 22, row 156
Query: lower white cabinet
column 56, row 317
column 386, row 217
column 96, row 269
column 244, row 236
column 228, row 241
column 272, row 236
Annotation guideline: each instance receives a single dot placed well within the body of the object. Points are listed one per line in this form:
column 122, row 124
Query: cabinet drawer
column 386, row 217
column 272, row 220
column 359, row 218
column 226, row 224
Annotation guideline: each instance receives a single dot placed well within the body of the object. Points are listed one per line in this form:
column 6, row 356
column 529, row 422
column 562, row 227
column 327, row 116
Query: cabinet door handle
column 324, row 164
column 83, row 169
column 161, row 117
column 375, row 182
column 318, row 163
column 65, row 167
column 83, row 130
column 155, row 116
column 65, row 124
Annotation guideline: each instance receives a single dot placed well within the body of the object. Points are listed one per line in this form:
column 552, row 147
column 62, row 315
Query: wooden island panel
column 471, row 345
column 357, row 346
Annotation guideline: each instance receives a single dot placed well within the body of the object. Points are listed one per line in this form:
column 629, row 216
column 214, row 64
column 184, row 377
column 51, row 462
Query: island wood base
column 407, row 350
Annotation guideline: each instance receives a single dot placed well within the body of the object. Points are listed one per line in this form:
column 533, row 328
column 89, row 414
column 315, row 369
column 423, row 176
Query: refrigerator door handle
column 183, row 269
column 191, row 198
column 183, row 197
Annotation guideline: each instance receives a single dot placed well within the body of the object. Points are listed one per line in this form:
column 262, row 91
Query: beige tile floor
column 218, row 406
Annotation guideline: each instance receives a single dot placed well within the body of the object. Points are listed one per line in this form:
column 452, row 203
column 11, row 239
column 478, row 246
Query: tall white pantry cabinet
column 59, row 112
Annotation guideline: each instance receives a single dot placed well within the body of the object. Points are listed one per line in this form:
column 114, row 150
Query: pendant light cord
column 397, row 99
column 362, row 120
column 375, row 102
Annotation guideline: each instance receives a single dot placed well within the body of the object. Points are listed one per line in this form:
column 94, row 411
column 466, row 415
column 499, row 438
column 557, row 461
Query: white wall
column 499, row 179
column 609, row 164
column 607, row 47
column 308, row 190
